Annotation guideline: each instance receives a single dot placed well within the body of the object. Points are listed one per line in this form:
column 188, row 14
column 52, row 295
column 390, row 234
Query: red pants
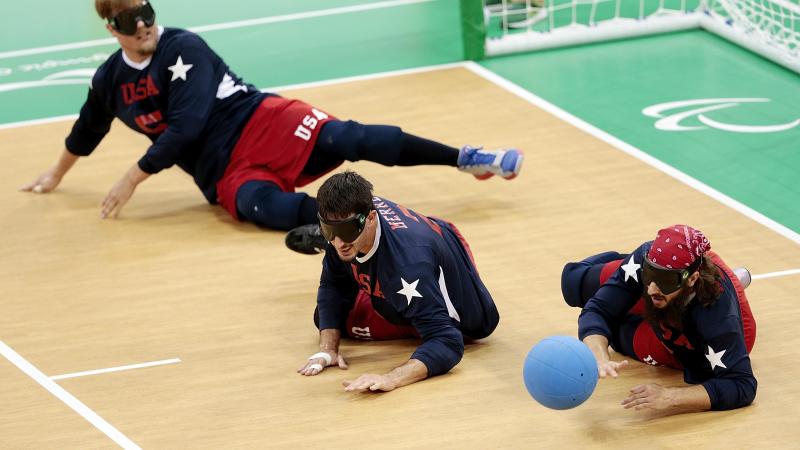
column 364, row 322
column 275, row 146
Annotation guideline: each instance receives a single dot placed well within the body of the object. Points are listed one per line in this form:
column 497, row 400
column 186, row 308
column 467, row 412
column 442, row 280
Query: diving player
column 394, row 266
column 670, row 302
column 245, row 149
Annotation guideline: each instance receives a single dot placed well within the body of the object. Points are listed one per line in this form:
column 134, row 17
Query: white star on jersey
column 179, row 70
column 630, row 270
column 409, row 290
column 715, row 358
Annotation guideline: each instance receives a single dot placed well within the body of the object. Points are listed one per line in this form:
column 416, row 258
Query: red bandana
column 678, row 246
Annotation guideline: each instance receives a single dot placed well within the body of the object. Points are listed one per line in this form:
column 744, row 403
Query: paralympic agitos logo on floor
column 60, row 72
column 699, row 109
column 81, row 77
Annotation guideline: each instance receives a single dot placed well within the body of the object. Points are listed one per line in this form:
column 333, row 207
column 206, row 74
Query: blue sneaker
column 484, row 164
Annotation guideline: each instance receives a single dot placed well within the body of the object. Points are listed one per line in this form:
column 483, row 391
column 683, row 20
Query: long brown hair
column 709, row 286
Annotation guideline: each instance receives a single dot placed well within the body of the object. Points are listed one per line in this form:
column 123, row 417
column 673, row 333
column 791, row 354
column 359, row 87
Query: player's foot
column 743, row 275
column 306, row 239
column 484, row 164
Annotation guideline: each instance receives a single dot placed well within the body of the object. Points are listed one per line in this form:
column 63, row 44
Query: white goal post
column 770, row 28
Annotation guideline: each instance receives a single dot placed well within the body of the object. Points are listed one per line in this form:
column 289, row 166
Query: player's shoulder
column 179, row 35
column 642, row 250
column 720, row 318
column 177, row 39
column 106, row 70
column 402, row 258
column 407, row 249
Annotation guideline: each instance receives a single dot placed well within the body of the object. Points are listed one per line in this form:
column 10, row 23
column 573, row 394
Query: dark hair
column 344, row 194
column 709, row 286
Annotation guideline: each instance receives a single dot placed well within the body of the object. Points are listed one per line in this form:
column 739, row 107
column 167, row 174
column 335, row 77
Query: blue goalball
column 560, row 372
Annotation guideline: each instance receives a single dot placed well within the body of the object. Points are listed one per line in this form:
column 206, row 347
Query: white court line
column 633, row 151
column 70, row 400
column 310, row 84
column 552, row 109
column 26, row 123
column 372, row 76
column 306, row 15
column 782, row 273
column 225, row 26
column 116, row 369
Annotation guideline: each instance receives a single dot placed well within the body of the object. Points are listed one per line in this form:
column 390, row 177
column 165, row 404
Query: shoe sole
column 517, row 166
column 749, row 277
column 514, row 173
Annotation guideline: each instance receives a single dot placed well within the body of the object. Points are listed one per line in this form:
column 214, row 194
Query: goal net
column 768, row 27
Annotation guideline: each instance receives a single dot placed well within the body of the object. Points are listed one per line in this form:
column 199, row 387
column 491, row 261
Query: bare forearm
column 136, row 175
column 598, row 344
column 329, row 340
column 64, row 163
column 410, row 372
column 689, row 398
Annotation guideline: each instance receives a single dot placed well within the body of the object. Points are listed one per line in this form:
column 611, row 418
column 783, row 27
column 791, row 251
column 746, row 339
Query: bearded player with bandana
column 246, row 150
column 670, row 302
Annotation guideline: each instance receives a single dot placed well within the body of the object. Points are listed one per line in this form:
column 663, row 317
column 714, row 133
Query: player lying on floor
column 394, row 274
column 670, row 302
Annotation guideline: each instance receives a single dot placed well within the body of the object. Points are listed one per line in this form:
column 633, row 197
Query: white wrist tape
column 315, row 366
column 322, row 355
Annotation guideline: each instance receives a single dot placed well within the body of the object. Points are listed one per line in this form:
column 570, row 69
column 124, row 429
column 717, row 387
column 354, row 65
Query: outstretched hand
column 651, row 396
column 117, row 197
column 610, row 368
column 319, row 361
column 44, row 183
column 370, row 382
column 121, row 192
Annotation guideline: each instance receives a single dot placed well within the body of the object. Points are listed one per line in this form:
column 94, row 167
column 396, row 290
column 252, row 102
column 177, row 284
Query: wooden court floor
column 177, row 278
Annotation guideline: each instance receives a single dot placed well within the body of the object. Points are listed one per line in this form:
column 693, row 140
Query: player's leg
column 635, row 338
column 391, row 146
column 580, row 280
column 364, row 323
column 265, row 204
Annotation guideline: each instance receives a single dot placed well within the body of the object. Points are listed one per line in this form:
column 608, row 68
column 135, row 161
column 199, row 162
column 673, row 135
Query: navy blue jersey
column 417, row 273
column 711, row 346
column 184, row 98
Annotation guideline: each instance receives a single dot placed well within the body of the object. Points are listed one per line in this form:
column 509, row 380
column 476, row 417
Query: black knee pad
column 580, row 280
column 571, row 283
column 354, row 141
column 265, row 204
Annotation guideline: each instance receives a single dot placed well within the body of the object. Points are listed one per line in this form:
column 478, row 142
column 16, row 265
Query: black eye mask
column 126, row 22
column 348, row 229
column 667, row 280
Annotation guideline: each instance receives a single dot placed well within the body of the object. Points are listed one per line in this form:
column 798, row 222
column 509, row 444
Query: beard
column 147, row 49
column 149, row 42
column 672, row 314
